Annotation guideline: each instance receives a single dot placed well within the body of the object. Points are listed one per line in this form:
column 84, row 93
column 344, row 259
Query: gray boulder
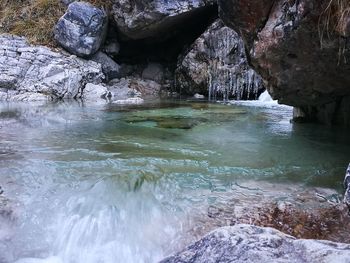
column 82, row 29
column 133, row 87
column 138, row 19
column 30, row 73
column 216, row 65
column 248, row 243
column 95, row 92
column 109, row 67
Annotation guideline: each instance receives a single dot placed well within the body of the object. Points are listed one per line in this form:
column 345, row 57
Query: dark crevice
column 167, row 49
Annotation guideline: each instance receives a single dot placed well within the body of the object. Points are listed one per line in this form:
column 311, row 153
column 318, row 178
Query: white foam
column 265, row 97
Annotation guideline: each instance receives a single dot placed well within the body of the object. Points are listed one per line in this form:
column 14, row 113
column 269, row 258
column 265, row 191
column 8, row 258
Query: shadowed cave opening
column 165, row 48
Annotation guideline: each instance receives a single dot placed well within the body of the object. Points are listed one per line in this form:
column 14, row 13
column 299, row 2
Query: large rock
column 304, row 61
column 30, row 73
column 217, row 66
column 138, row 19
column 109, row 67
column 82, row 29
column 248, row 243
column 93, row 92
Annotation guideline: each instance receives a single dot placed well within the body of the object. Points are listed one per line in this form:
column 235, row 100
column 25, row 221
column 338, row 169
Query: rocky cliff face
column 216, row 65
column 304, row 63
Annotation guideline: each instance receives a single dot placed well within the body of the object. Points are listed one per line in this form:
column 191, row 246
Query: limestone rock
column 133, row 87
column 93, row 92
column 303, row 61
column 248, row 243
column 216, row 65
column 30, row 73
column 81, row 30
column 109, row 67
column 138, row 19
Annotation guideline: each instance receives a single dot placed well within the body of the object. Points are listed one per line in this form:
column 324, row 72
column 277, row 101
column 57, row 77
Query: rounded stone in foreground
column 248, row 243
column 82, row 29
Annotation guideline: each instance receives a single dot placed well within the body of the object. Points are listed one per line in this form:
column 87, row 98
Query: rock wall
column 216, row 65
column 30, row 73
column 304, row 64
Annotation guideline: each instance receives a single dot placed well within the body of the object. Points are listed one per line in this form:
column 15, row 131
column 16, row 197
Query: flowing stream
column 109, row 183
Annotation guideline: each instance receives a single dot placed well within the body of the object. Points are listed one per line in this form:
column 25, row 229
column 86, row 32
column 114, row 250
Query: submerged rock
column 247, row 243
column 30, row 73
column 308, row 213
column 82, row 29
column 155, row 18
column 216, row 65
column 302, row 59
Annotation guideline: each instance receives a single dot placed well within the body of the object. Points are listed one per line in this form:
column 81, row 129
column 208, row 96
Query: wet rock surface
column 29, row 73
column 247, row 243
column 303, row 61
column 216, row 65
column 82, row 29
column 156, row 18
column 347, row 188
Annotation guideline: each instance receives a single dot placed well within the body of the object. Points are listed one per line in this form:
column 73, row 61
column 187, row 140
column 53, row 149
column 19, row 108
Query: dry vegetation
column 35, row 19
column 336, row 17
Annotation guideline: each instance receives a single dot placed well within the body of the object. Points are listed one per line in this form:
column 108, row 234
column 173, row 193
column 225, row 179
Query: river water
column 109, row 183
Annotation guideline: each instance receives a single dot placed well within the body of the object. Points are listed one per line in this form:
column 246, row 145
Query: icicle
column 210, row 83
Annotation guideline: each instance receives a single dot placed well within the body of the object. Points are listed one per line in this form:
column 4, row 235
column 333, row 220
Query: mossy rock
column 169, row 122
